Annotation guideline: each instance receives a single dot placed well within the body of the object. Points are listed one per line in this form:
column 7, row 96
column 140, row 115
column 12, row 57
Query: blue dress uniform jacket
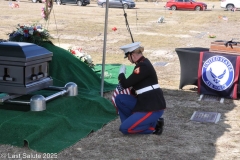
column 144, row 75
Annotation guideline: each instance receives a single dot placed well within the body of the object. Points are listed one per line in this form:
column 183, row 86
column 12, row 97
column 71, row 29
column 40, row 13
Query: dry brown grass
column 181, row 139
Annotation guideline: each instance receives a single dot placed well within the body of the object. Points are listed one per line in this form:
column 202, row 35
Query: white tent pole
column 104, row 47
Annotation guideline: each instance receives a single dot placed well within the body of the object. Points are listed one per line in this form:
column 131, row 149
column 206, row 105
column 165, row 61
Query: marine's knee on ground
column 123, row 129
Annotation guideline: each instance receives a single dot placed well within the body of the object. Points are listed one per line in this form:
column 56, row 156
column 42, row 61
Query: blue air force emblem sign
column 218, row 73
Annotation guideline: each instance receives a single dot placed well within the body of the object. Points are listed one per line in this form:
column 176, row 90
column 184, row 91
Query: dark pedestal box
column 24, row 67
column 189, row 61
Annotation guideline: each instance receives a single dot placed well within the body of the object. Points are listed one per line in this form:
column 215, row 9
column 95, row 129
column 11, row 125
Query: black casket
column 24, row 67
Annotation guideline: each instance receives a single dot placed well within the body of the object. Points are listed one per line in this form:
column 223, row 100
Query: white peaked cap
column 130, row 47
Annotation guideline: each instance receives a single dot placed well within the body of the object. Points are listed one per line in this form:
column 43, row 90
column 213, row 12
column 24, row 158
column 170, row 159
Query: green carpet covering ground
column 66, row 119
column 112, row 72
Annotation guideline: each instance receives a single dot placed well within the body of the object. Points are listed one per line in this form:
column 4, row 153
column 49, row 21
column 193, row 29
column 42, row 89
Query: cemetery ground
column 182, row 139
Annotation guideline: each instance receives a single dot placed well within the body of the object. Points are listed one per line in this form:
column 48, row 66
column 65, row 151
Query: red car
column 186, row 5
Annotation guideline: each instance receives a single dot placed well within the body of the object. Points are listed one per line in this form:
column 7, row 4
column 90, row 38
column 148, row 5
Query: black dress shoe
column 159, row 127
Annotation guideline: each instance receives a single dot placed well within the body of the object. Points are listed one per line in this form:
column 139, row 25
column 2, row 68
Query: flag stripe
column 119, row 90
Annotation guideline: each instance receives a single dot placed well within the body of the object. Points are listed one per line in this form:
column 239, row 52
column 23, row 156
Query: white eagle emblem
column 216, row 78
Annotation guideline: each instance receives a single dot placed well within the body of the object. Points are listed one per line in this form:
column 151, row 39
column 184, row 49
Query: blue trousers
column 137, row 122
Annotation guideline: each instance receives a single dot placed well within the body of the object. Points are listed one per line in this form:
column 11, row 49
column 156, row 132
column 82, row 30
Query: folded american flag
column 119, row 90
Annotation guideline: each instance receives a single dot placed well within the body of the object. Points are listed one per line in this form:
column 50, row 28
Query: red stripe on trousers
column 151, row 128
column 138, row 122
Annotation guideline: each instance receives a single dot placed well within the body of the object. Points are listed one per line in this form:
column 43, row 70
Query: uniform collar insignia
column 140, row 59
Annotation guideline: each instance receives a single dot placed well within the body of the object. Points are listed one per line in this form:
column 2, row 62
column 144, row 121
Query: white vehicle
column 230, row 4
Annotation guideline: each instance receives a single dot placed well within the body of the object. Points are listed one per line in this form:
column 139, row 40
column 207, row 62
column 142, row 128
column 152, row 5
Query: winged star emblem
column 216, row 78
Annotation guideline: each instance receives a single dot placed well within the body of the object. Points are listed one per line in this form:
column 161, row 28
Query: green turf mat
column 112, row 72
column 66, row 119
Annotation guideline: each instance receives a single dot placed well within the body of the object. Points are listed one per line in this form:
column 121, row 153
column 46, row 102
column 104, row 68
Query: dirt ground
column 182, row 139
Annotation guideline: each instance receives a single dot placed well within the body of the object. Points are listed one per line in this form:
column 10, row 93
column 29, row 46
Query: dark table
column 189, row 60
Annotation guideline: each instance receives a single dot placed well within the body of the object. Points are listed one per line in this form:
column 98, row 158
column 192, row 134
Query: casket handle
column 6, row 79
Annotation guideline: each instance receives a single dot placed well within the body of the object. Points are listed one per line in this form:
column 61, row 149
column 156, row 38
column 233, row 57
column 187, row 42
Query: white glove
column 122, row 69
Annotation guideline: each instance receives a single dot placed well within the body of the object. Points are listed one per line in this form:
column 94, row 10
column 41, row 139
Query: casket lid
column 21, row 51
